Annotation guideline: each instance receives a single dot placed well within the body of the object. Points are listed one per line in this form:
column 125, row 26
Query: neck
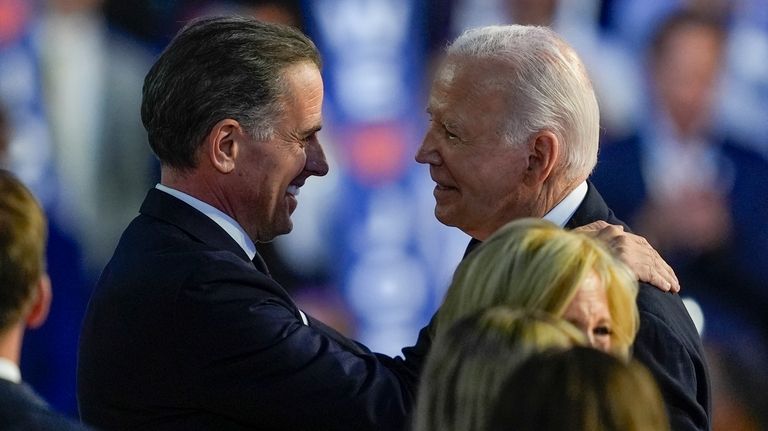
column 551, row 194
column 10, row 343
column 196, row 184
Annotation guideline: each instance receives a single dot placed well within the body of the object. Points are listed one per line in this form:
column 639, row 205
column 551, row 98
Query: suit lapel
column 167, row 208
column 593, row 208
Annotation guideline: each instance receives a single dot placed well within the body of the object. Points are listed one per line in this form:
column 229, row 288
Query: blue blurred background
column 366, row 254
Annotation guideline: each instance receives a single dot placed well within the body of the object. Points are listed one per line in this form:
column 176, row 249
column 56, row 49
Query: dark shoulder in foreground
column 22, row 410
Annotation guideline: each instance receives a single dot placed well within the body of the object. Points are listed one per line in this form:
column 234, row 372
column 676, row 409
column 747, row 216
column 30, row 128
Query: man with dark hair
column 186, row 329
column 25, row 296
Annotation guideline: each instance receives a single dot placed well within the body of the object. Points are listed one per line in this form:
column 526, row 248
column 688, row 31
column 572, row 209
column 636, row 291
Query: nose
column 316, row 162
column 427, row 152
column 591, row 339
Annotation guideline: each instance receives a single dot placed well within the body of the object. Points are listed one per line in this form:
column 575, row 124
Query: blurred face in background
column 685, row 71
column 589, row 312
column 532, row 12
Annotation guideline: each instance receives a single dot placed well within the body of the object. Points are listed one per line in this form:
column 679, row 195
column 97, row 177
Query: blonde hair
column 532, row 263
column 23, row 233
column 468, row 363
column 580, row 389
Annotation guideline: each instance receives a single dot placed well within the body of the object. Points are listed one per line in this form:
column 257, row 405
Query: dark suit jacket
column 667, row 342
column 22, row 410
column 183, row 332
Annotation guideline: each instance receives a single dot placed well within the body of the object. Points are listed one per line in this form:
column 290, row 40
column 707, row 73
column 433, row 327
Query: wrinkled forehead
column 461, row 80
column 479, row 71
column 468, row 95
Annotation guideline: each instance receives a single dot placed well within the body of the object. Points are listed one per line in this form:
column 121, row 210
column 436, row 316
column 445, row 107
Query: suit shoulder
column 668, row 316
column 21, row 409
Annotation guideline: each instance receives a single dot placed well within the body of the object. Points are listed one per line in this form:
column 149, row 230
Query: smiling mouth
column 443, row 187
column 292, row 190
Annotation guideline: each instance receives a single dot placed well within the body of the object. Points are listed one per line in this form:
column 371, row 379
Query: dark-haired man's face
column 271, row 172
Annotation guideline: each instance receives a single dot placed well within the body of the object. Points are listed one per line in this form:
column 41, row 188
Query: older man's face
column 478, row 175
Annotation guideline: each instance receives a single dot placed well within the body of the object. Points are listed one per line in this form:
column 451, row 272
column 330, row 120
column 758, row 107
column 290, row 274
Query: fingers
column 662, row 274
column 669, row 275
column 654, row 278
column 655, row 270
column 592, row 227
column 640, row 256
column 635, row 251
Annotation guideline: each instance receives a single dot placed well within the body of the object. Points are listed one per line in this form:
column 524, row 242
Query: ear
column 544, row 153
column 223, row 144
column 41, row 304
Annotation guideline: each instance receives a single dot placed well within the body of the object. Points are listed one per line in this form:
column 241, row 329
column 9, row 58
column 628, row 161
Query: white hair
column 549, row 89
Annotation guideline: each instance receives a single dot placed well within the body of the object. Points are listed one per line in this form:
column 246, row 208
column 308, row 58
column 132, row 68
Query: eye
column 602, row 331
column 448, row 135
column 307, row 139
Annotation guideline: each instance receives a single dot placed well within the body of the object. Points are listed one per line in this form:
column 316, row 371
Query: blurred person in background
column 696, row 193
column 92, row 79
column 470, row 360
column 25, row 297
column 49, row 353
column 579, row 389
column 71, row 86
column 744, row 77
column 514, row 133
column 536, row 265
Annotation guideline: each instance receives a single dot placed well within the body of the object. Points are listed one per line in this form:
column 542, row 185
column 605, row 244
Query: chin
column 445, row 217
column 284, row 228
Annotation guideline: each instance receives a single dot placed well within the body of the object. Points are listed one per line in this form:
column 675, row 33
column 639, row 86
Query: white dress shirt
column 226, row 222
column 563, row 211
column 9, row 371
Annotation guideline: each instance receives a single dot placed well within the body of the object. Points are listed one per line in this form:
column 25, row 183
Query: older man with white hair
column 514, row 133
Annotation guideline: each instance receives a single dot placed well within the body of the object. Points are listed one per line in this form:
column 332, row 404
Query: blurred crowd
column 684, row 105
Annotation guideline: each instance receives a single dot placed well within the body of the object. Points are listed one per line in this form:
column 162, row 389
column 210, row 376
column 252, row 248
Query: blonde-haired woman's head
column 468, row 362
column 532, row 263
column 578, row 390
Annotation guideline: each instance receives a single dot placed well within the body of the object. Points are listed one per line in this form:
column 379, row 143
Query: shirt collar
column 9, row 371
column 226, row 222
column 563, row 211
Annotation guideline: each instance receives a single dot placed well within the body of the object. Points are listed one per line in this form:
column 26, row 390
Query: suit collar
column 564, row 210
column 593, row 208
column 23, row 392
column 230, row 225
column 169, row 209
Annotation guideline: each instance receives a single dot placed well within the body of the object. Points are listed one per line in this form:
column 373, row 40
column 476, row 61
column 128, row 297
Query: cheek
column 602, row 343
